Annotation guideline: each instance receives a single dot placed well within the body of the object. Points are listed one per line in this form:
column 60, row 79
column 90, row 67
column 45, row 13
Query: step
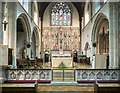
column 64, row 83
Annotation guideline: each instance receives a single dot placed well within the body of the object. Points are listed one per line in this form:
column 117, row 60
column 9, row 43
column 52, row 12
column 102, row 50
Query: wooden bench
column 106, row 87
column 23, row 63
column 18, row 88
column 99, row 81
column 27, row 81
column 29, row 63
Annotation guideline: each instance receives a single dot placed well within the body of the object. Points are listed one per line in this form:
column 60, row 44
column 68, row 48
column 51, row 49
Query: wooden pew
column 30, row 87
column 39, row 62
column 106, row 87
column 29, row 63
column 23, row 63
column 88, row 60
column 32, row 63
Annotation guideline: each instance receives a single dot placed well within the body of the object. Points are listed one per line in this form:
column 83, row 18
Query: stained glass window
column 61, row 14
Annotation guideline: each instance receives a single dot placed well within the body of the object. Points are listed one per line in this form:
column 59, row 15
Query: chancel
column 65, row 46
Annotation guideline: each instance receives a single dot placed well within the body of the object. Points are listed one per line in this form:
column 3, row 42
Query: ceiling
column 79, row 6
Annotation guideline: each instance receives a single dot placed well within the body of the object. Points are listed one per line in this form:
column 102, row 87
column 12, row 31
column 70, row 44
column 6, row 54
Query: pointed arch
column 97, row 22
column 36, row 41
column 25, row 22
column 96, row 27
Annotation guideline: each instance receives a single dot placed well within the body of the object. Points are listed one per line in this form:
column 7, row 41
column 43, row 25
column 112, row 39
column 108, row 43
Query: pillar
column 116, row 36
column 42, row 51
column 12, row 13
column 113, row 36
column 110, row 35
column 119, row 31
column 0, row 22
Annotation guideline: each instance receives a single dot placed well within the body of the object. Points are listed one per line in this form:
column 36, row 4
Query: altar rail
column 97, row 74
column 77, row 74
column 63, row 74
column 29, row 74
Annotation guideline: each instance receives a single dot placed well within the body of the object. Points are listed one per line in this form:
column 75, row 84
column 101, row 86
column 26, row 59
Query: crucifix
column 5, row 24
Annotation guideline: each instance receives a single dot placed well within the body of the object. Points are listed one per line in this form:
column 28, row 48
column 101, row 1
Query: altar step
column 64, row 83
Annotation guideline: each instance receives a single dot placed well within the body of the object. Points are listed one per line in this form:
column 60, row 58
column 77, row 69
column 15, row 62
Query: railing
column 29, row 74
column 97, row 74
column 63, row 74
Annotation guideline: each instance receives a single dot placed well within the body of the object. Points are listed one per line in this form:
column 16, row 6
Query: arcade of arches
column 73, row 35
column 59, row 33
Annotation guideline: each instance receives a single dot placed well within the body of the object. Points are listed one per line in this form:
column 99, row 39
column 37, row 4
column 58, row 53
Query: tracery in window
column 61, row 14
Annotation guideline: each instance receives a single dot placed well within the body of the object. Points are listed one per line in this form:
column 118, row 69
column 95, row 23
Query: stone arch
column 24, row 22
column 97, row 23
column 37, row 41
column 35, row 30
column 100, row 41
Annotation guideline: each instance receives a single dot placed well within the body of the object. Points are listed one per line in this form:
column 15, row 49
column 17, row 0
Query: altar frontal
column 65, row 59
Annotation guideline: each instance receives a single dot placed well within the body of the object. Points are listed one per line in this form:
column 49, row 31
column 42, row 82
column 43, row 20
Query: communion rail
column 63, row 74
column 29, row 74
column 75, row 74
column 98, row 74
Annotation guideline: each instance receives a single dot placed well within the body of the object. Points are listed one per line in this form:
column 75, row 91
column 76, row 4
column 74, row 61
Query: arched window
column 61, row 14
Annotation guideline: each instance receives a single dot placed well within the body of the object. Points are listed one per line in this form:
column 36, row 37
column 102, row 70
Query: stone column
column 42, row 51
column 119, row 31
column 116, row 36
column 0, row 22
column 12, row 13
column 40, row 37
column 113, row 36
column 111, row 48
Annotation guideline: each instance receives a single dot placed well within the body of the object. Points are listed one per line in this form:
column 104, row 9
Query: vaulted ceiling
column 43, row 5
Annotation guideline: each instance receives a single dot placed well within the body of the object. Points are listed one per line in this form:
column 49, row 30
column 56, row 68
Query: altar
column 66, row 59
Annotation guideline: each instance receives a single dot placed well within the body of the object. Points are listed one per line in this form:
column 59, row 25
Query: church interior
column 60, row 46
